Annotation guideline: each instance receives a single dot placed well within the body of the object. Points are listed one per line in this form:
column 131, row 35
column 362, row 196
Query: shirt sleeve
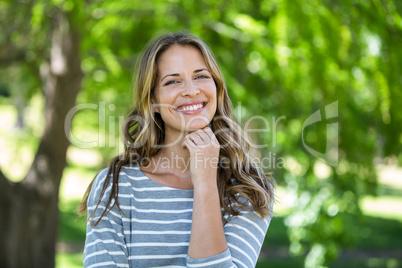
column 245, row 234
column 104, row 243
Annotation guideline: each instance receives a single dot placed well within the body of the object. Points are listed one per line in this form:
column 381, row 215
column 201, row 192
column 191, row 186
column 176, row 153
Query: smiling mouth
column 191, row 107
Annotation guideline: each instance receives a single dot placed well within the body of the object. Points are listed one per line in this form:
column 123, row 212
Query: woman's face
column 185, row 92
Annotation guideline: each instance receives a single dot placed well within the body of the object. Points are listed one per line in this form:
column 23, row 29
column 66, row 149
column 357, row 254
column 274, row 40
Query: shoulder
column 97, row 185
column 125, row 173
column 127, row 176
column 131, row 172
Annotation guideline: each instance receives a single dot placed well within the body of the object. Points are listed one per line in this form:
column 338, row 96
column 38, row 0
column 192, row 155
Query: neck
column 173, row 154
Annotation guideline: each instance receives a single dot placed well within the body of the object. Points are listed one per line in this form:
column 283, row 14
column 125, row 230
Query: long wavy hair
column 238, row 172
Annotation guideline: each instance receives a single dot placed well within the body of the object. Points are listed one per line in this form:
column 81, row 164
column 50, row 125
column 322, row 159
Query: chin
column 196, row 125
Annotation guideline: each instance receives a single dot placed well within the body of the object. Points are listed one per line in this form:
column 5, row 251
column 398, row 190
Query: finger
column 208, row 131
column 200, row 140
column 198, row 136
column 203, row 136
column 187, row 143
column 212, row 136
column 195, row 139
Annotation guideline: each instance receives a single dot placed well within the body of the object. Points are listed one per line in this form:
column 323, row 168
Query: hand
column 204, row 156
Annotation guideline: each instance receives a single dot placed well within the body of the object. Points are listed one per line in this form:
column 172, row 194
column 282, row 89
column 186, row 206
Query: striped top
column 154, row 230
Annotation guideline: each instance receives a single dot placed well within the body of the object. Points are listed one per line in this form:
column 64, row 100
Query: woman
column 186, row 192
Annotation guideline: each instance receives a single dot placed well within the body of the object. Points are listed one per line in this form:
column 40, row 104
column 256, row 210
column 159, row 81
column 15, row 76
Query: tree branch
column 3, row 179
column 5, row 185
column 8, row 60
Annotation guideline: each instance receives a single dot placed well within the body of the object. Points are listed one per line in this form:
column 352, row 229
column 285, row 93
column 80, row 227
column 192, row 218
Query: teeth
column 190, row 108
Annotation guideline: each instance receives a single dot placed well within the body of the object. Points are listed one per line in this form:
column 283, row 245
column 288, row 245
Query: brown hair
column 243, row 176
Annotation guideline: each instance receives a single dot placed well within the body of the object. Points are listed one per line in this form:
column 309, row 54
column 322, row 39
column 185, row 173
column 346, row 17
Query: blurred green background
column 282, row 60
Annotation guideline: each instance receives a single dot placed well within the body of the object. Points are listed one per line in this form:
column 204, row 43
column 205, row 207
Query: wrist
column 205, row 180
column 206, row 185
column 207, row 194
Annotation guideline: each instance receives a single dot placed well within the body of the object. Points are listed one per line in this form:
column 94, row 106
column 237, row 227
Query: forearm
column 207, row 234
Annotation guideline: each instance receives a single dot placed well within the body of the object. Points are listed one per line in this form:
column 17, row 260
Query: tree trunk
column 29, row 209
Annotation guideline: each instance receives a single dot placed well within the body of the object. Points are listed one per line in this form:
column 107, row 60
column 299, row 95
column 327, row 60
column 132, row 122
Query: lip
column 190, row 103
column 194, row 111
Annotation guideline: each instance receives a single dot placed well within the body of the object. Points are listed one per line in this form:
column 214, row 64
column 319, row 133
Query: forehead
column 178, row 57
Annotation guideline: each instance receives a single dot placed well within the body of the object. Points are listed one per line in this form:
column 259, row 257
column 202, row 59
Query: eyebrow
column 176, row 74
column 200, row 70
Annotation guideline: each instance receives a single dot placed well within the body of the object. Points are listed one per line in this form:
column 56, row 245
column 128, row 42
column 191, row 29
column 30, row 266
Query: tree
column 28, row 209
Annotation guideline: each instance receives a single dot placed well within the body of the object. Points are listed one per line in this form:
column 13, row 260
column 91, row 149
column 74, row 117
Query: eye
column 202, row 76
column 171, row 82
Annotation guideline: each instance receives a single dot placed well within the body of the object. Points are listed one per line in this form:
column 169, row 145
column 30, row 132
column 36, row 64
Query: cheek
column 166, row 97
column 211, row 90
column 214, row 94
column 160, row 104
column 213, row 98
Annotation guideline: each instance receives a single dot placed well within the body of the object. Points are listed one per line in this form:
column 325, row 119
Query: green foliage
column 71, row 228
column 280, row 58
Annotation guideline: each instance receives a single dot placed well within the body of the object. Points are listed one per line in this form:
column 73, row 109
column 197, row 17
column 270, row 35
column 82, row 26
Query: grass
column 281, row 263
column 341, row 263
column 71, row 236
column 368, row 263
column 69, row 260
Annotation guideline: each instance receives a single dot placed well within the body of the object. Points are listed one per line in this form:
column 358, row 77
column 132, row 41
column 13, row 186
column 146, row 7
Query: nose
column 190, row 89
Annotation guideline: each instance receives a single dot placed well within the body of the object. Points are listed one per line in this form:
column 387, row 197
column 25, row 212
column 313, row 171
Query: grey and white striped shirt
column 154, row 230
